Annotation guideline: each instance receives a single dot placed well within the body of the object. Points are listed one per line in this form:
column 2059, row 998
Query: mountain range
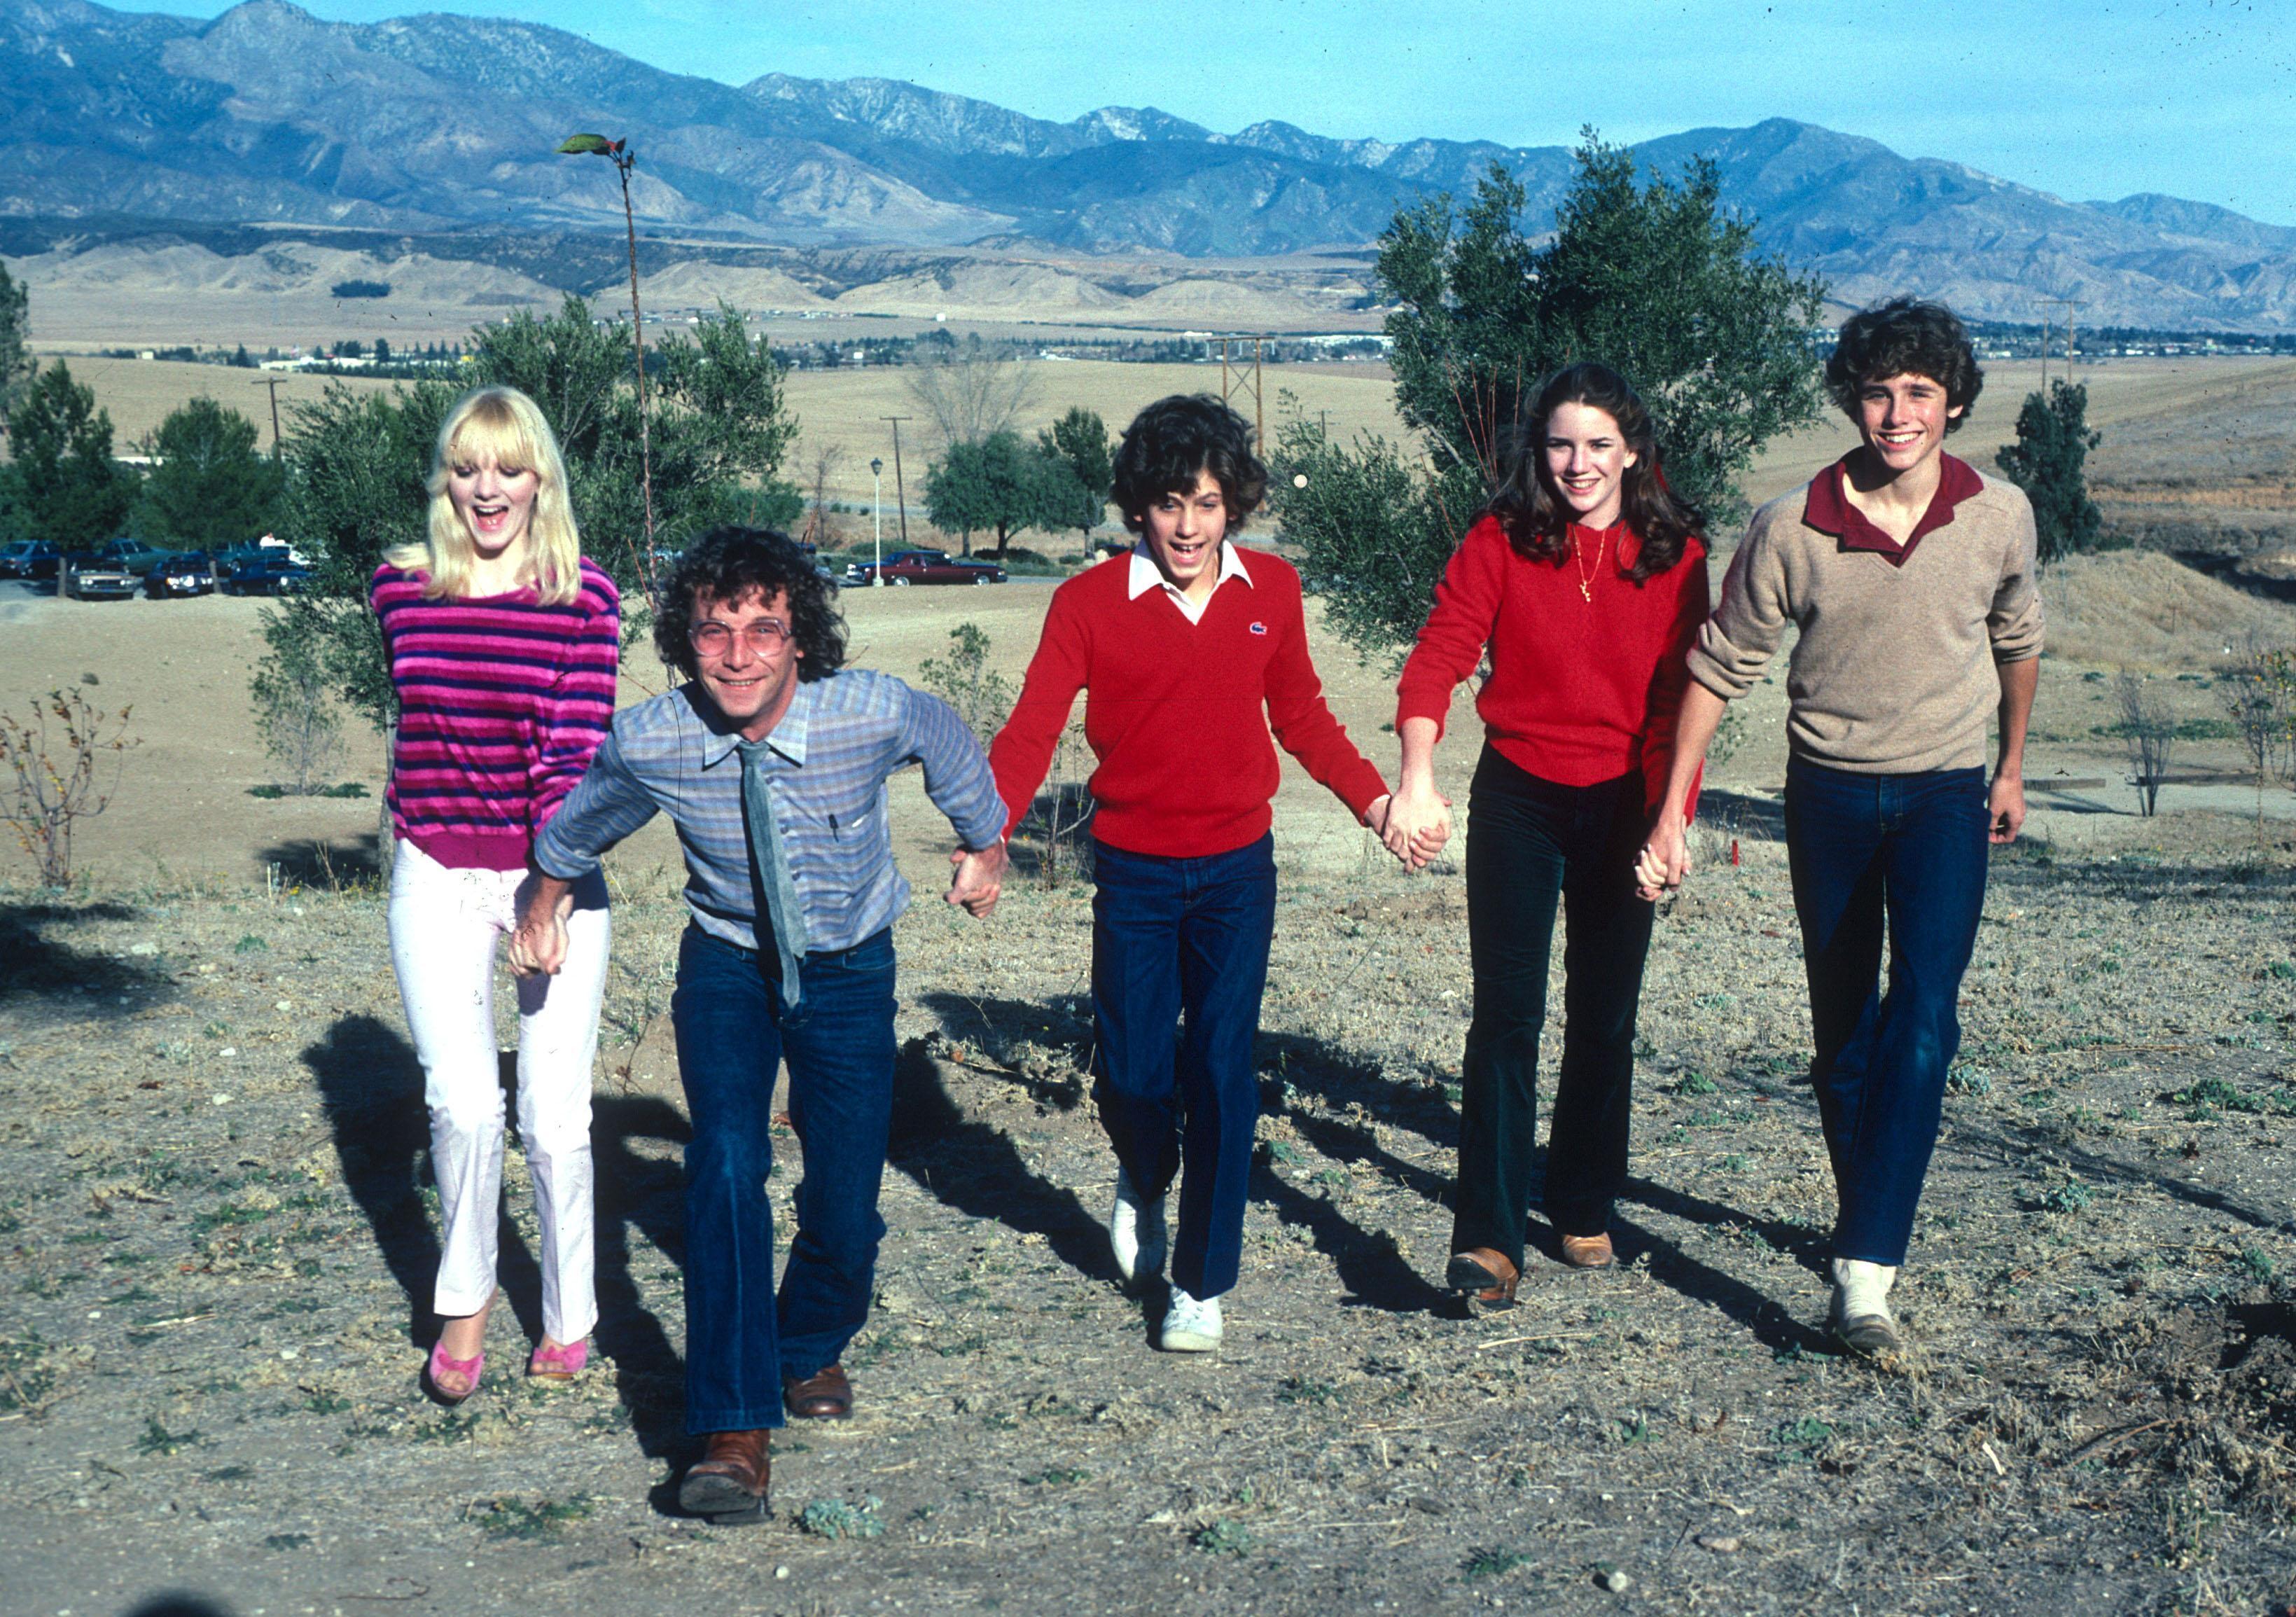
column 445, row 125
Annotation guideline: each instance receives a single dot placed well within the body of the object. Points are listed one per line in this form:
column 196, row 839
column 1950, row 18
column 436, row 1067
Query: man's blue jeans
column 1174, row 941
column 732, row 1032
column 1907, row 852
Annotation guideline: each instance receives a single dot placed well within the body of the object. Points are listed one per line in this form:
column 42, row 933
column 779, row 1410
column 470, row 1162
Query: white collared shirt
column 1145, row 576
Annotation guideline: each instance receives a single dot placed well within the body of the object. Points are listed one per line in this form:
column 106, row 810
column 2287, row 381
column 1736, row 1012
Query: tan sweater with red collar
column 1894, row 670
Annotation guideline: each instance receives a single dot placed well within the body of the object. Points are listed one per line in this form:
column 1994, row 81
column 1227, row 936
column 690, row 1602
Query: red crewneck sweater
column 1580, row 691
column 1178, row 714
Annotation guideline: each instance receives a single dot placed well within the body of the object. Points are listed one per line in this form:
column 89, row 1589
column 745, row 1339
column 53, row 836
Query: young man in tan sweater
column 1910, row 577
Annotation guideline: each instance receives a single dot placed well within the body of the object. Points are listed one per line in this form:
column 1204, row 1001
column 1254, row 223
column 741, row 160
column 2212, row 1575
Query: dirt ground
column 216, row 1237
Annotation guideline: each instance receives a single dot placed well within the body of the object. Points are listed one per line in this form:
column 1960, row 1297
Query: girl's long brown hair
column 1535, row 517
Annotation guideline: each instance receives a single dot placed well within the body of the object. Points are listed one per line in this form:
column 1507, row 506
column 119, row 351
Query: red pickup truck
column 926, row 567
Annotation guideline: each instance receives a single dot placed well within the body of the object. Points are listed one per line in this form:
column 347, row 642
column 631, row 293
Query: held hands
column 538, row 948
column 1413, row 823
column 978, row 879
column 1665, row 858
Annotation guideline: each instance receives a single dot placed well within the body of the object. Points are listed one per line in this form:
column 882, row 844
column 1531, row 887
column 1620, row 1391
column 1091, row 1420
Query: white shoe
column 1860, row 1315
column 1191, row 1324
column 1137, row 1233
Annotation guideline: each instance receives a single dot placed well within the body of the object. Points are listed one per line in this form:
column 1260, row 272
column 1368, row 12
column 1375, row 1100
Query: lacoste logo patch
column 1259, row 628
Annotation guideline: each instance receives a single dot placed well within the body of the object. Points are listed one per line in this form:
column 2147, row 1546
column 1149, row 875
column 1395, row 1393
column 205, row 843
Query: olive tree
column 1652, row 277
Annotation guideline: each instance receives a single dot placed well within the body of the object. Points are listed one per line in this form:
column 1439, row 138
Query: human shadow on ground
column 328, row 864
column 646, row 1192
column 2015, row 1147
column 37, row 965
column 975, row 1167
column 371, row 1090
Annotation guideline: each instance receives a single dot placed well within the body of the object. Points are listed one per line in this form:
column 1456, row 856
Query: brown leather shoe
column 1484, row 1278
column 825, row 1395
column 1588, row 1251
column 732, row 1481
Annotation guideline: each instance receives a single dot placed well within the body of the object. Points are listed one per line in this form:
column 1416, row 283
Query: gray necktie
column 788, row 914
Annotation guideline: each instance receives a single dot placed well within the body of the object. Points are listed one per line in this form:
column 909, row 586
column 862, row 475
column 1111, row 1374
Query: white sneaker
column 1860, row 1315
column 1137, row 1233
column 1191, row 1324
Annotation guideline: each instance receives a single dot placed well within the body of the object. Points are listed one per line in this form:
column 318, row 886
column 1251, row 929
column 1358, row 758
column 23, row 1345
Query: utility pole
column 900, row 492
column 1243, row 378
column 2068, row 305
column 272, row 383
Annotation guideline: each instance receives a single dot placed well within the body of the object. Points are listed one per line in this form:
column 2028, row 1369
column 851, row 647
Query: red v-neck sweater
column 1178, row 714
column 1580, row 691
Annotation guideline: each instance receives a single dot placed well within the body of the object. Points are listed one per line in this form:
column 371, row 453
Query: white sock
column 1863, row 1287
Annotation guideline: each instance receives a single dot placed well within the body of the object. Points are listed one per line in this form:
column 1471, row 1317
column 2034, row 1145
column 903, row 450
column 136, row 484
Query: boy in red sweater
column 1190, row 650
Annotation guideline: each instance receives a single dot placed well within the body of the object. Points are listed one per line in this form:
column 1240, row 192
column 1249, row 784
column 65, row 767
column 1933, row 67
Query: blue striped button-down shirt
column 831, row 756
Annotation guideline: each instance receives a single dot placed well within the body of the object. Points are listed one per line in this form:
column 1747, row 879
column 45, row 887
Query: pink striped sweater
column 501, row 702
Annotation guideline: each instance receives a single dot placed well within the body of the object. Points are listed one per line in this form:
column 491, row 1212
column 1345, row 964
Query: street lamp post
column 877, row 476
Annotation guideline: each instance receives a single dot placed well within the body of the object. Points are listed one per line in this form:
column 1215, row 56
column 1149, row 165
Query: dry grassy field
column 216, row 1238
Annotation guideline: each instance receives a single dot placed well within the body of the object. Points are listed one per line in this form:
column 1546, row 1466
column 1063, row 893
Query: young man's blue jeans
column 1907, row 853
column 1174, row 941
column 733, row 1031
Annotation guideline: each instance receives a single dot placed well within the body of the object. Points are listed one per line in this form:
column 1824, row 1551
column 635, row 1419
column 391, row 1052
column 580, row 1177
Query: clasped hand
column 1413, row 823
column 977, row 879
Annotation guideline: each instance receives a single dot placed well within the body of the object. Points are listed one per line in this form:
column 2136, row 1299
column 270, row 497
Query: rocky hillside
column 268, row 114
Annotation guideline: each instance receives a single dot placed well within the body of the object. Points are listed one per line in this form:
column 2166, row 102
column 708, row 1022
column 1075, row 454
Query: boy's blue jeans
column 732, row 1032
column 1904, row 853
column 1183, row 943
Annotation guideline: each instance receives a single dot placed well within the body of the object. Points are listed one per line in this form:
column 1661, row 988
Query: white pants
column 445, row 925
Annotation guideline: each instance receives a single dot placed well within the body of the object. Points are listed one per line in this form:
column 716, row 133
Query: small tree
column 981, row 696
column 999, row 485
column 1079, row 441
column 75, row 493
column 17, row 366
column 2256, row 689
column 969, row 390
column 2149, row 730
column 54, row 759
column 211, row 488
column 295, row 712
column 821, row 468
column 2047, row 462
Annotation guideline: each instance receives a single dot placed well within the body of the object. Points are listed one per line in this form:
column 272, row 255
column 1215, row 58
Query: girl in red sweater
column 1190, row 650
column 1586, row 583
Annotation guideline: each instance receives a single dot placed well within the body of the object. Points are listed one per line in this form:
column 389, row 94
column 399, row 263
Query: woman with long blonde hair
column 503, row 643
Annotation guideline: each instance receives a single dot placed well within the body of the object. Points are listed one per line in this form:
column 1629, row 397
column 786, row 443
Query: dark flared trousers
column 1533, row 846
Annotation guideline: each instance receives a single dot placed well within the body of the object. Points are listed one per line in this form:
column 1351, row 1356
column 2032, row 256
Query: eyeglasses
column 715, row 639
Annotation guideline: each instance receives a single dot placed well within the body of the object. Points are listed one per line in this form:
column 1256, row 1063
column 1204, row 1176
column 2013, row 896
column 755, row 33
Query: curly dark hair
column 1535, row 518
column 1175, row 439
column 726, row 564
column 1905, row 337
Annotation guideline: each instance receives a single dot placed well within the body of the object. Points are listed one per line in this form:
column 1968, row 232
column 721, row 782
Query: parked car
column 92, row 576
column 132, row 554
column 30, row 559
column 187, row 572
column 926, row 567
column 272, row 574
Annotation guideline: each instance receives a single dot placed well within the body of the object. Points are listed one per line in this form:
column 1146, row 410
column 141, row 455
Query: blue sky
column 2196, row 98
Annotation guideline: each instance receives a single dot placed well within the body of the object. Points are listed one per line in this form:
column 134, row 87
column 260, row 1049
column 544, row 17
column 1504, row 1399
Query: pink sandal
column 469, row 1369
column 560, row 1364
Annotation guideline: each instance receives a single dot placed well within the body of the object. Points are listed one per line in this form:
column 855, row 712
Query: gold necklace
column 1579, row 562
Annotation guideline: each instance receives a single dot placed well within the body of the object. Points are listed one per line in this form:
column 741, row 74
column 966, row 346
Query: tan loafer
column 1588, row 1251
column 733, row 1479
column 1484, row 1278
column 825, row 1395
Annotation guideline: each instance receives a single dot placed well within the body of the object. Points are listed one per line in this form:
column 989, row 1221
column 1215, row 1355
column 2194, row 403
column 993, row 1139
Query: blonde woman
column 503, row 643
